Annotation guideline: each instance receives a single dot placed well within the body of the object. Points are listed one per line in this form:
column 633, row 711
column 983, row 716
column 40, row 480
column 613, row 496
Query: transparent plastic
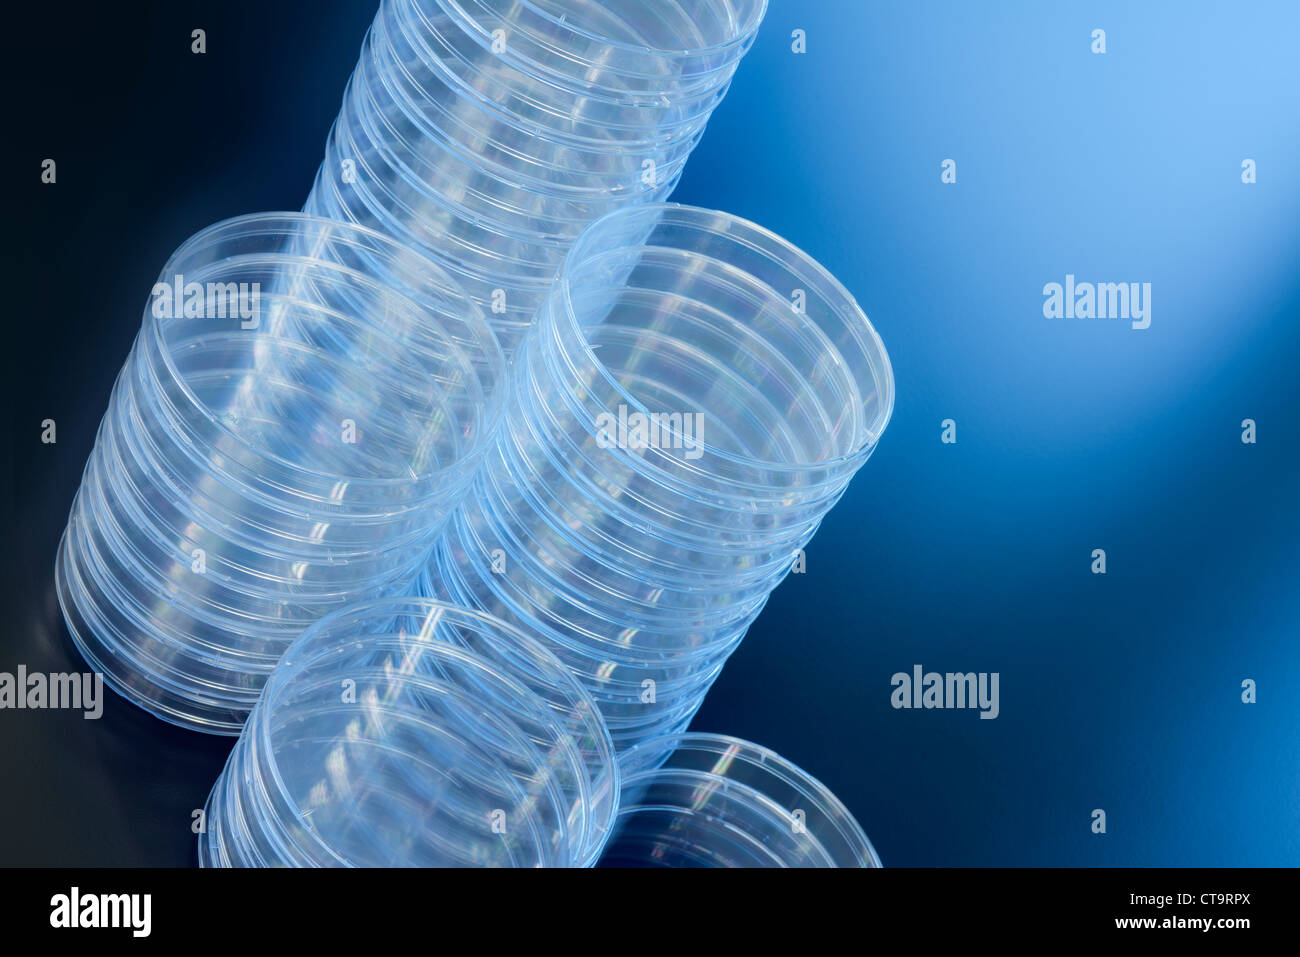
column 708, row 800
column 489, row 135
column 254, row 473
column 643, row 558
column 412, row 733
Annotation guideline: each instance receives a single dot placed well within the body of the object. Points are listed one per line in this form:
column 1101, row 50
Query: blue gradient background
column 1123, row 691
column 1119, row 692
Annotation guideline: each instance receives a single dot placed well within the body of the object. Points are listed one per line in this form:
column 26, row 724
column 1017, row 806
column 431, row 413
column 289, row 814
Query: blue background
column 1120, row 692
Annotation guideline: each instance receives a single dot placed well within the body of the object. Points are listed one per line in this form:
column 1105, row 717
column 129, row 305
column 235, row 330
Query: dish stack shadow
column 489, row 133
column 305, row 403
column 697, row 395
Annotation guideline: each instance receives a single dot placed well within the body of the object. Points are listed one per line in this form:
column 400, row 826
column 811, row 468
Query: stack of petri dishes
column 489, row 133
column 408, row 732
column 320, row 409
column 697, row 395
column 718, row 801
column 305, row 404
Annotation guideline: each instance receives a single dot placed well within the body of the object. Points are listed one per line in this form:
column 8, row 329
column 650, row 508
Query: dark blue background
column 1120, row 692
